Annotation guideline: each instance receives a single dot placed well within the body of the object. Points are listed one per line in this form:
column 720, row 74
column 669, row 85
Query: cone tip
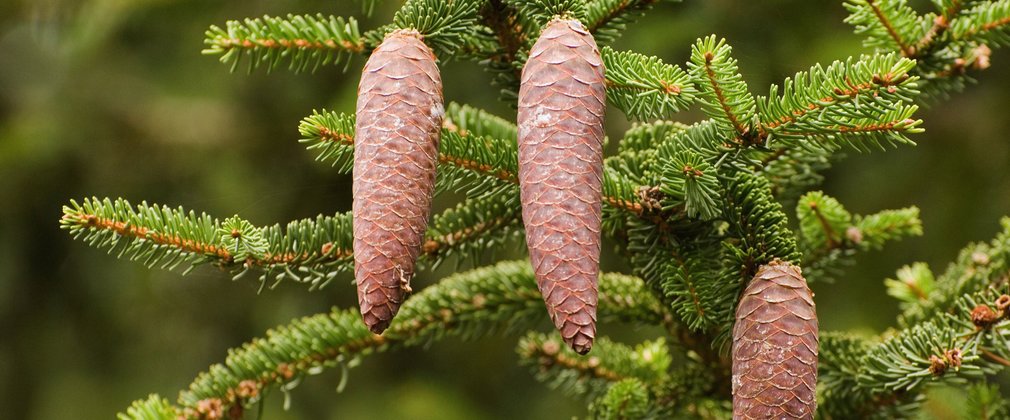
column 581, row 344
column 375, row 325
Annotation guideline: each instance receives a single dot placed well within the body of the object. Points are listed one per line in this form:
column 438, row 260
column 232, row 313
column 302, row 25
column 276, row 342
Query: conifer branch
column 854, row 102
column 987, row 23
column 830, row 235
column 497, row 298
column 590, row 377
column 977, row 268
column 623, row 193
column 710, row 140
column 644, row 137
column 473, row 228
column 888, row 24
column 889, row 27
column 694, row 285
column 954, row 347
column 638, row 150
column 696, row 209
column 644, row 87
column 913, row 285
column 141, row 233
column 444, row 24
column 305, row 41
column 724, row 94
column 689, row 181
column 760, row 223
column 949, row 9
column 831, row 220
column 310, row 251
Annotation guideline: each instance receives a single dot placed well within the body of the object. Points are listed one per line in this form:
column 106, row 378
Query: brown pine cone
column 561, row 105
column 775, row 347
column 399, row 118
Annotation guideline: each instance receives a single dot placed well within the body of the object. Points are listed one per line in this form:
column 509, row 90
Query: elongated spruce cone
column 399, row 119
column 561, row 105
column 775, row 347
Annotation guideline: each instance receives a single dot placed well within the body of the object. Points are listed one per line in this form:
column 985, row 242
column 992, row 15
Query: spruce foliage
column 694, row 207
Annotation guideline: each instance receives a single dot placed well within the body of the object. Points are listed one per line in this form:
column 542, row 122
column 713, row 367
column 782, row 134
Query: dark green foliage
column 691, row 182
column 761, row 224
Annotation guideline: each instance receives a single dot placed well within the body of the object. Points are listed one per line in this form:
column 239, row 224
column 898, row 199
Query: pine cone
column 561, row 105
column 775, row 347
column 399, row 119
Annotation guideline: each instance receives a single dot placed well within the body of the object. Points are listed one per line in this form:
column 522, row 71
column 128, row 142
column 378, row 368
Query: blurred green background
column 113, row 98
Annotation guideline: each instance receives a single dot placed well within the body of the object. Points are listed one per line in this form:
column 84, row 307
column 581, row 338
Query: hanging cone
column 775, row 347
column 399, row 119
column 561, row 105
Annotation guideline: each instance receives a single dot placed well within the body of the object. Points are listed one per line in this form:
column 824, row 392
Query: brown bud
column 561, row 105
column 326, row 249
column 399, row 119
column 980, row 258
column 982, row 54
column 210, row 409
column 650, row 198
column 248, row 389
column 1003, row 302
column 285, row 371
column 854, row 235
column 775, row 347
column 953, row 357
column 983, row 316
column 937, row 366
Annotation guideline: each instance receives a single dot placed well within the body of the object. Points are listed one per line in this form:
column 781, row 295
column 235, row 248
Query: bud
column 775, row 347
column 983, row 316
column 1003, row 302
column 399, row 119
column 561, row 105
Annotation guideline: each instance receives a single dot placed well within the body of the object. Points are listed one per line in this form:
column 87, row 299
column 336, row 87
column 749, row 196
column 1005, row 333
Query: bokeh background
column 113, row 98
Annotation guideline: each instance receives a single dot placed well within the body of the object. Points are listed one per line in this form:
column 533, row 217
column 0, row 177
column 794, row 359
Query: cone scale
column 775, row 347
column 399, row 118
column 561, row 106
